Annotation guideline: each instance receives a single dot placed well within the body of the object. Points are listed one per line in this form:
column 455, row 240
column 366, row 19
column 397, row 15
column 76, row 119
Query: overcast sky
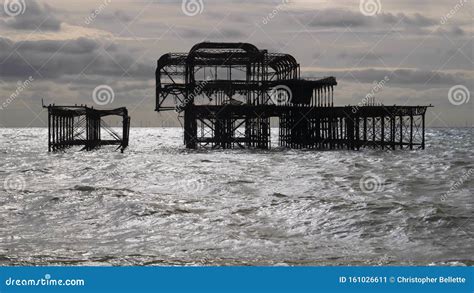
column 60, row 51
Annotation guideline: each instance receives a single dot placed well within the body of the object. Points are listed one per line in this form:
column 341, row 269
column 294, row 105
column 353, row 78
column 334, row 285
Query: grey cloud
column 117, row 15
column 229, row 33
column 224, row 33
column 405, row 76
column 36, row 16
column 358, row 56
column 416, row 20
column 5, row 44
column 408, row 77
column 336, row 18
column 340, row 17
column 189, row 33
column 54, row 59
column 122, row 16
column 451, row 31
column 79, row 46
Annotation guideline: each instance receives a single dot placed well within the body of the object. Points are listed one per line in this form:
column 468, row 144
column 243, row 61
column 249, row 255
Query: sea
column 161, row 204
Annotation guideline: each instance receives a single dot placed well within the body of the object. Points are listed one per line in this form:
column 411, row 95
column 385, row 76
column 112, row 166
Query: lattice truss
column 226, row 93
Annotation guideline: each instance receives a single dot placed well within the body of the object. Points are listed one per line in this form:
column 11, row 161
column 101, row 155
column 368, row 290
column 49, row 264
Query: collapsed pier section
column 70, row 126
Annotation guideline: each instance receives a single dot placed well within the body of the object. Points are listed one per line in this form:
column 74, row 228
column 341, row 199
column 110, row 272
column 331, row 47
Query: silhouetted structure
column 80, row 125
column 229, row 91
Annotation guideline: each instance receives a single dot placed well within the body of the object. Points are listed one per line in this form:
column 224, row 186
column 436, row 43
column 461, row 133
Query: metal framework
column 82, row 126
column 228, row 92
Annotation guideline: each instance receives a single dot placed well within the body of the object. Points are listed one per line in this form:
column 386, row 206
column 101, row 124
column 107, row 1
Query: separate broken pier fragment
column 83, row 126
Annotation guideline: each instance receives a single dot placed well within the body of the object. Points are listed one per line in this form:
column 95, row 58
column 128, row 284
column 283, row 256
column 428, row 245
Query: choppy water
column 159, row 204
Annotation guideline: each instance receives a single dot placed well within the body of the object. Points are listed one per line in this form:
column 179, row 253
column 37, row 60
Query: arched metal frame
column 231, row 90
column 176, row 76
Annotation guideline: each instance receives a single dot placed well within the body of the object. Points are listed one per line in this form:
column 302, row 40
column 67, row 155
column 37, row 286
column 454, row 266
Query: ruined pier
column 229, row 93
column 70, row 126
